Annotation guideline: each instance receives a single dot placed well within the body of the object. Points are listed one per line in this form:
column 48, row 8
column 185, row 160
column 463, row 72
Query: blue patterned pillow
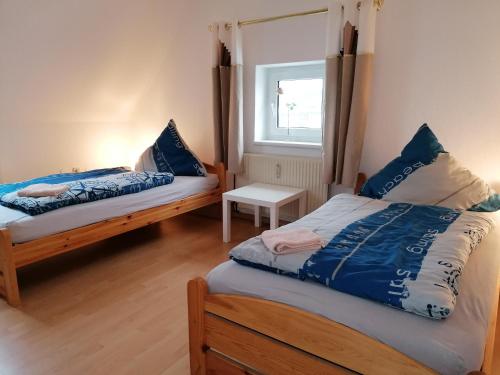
column 171, row 154
column 425, row 173
column 422, row 150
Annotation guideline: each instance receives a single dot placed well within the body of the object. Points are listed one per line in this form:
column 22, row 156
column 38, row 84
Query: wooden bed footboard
column 14, row 256
column 232, row 334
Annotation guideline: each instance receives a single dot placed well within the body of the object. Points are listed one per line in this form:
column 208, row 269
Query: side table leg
column 257, row 216
column 274, row 215
column 302, row 205
column 226, row 220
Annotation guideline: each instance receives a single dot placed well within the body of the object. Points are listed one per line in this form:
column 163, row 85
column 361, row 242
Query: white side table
column 261, row 195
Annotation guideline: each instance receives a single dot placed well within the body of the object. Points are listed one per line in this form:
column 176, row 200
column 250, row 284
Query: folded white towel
column 291, row 241
column 43, row 190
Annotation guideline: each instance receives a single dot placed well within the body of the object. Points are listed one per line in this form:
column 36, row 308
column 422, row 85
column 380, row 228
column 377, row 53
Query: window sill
column 309, row 145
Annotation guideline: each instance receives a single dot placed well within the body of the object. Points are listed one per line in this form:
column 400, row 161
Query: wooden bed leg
column 8, row 269
column 221, row 173
column 197, row 290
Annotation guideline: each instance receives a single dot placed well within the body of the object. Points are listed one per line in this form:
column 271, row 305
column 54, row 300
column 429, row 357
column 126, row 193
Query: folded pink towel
column 291, row 241
column 43, row 190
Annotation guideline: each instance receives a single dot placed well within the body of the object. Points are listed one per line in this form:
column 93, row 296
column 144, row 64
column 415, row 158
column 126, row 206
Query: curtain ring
column 378, row 4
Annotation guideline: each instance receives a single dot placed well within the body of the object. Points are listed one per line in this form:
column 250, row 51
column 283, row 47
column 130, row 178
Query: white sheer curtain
column 227, row 74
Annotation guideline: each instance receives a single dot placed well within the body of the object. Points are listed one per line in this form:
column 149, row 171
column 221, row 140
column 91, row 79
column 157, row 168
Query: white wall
column 437, row 62
column 83, row 83
column 79, row 74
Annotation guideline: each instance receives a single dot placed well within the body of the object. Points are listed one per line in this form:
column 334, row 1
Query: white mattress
column 24, row 228
column 451, row 346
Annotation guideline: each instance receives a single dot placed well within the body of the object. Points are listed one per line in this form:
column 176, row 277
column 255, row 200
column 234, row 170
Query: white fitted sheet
column 451, row 346
column 24, row 228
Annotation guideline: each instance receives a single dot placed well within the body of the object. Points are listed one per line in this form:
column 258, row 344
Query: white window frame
column 295, row 71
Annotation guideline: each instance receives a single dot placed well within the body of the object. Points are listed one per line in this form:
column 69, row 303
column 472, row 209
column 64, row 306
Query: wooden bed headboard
column 360, row 181
column 220, row 170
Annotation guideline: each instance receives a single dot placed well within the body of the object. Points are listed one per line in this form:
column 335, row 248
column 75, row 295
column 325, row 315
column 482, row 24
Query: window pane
column 299, row 103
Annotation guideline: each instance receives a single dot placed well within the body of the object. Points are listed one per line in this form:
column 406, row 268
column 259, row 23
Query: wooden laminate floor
column 118, row 307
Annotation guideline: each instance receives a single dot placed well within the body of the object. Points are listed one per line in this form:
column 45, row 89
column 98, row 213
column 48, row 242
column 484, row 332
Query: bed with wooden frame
column 232, row 334
column 235, row 334
column 14, row 256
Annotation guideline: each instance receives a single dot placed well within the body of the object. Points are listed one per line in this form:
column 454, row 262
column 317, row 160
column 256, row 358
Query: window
column 289, row 99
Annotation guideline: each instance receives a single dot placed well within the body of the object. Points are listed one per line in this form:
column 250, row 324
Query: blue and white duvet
column 61, row 178
column 119, row 182
column 407, row 256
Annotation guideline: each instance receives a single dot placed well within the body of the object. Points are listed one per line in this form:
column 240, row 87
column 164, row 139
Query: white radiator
column 293, row 171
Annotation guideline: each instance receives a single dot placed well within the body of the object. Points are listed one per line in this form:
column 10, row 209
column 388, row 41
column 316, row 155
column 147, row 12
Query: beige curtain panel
column 347, row 90
column 227, row 77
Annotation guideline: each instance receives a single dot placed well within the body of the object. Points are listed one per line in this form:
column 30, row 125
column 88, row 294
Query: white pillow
column 426, row 174
column 146, row 161
column 443, row 183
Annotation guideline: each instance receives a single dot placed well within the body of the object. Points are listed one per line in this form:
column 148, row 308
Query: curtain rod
column 275, row 18
column 377, row 3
